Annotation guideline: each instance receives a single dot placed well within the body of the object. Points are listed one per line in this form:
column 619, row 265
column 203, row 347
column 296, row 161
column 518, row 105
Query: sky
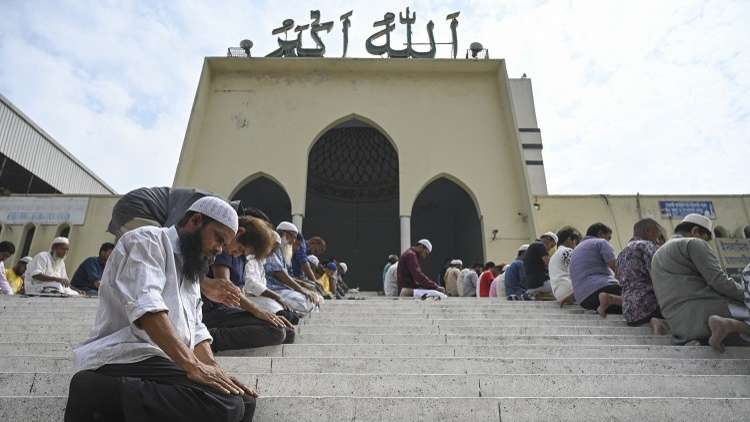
column 631, row 96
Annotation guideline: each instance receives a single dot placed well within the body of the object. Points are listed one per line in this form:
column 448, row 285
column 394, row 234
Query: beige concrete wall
column 445, row 118
column 621, row 212
column 85, row 239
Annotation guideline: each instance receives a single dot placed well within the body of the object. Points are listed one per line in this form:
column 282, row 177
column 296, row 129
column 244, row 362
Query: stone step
column 419, row 385
column 455, row 339
column 513, row 351
column 458, row 365
column 493, row 317
column 514, row 320
column 431, row 351
column 488, row 330
column 442, row 350
column 432, row 409
column 485, row 340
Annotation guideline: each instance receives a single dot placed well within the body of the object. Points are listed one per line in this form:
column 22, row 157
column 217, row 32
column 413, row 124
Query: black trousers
column 592, row 302
column 151, row 390
column 236, row 329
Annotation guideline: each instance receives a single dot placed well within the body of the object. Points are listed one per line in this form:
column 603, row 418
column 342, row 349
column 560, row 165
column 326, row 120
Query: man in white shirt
column 559, row 265
column 391, row 281
column 149, row 357
column 46, row 273
column 260, row 295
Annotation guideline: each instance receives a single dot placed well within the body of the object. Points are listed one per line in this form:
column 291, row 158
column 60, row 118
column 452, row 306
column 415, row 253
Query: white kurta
column 44, row 263
column 142, row 276
column 255, row 285
column 391, row 281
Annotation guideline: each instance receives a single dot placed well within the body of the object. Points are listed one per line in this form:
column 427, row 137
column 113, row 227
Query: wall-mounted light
column 494, row 234
column 537, row 206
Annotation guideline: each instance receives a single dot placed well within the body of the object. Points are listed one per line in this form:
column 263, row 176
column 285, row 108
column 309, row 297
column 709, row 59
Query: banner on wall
column 679, row 209
column 43, row 211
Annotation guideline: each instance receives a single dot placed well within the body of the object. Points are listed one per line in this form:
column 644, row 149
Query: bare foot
column 658, row 326
column 720, row 329
column 603, row 304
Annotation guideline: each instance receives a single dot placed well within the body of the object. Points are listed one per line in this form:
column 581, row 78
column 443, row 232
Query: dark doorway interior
column 352, row 200
column 266, row 195
column 445, row 214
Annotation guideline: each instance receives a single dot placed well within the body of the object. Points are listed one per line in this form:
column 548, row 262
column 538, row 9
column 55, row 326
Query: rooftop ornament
column 294, row 48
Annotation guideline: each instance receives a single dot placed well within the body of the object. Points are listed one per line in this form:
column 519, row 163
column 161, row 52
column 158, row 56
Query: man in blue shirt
column 515, row 277
column 89, row 273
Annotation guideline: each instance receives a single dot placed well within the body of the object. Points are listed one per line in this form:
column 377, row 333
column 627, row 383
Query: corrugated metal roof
column 25, row 142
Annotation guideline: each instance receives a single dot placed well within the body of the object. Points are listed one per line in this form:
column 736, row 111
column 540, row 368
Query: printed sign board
column 51, row 211
column 679, row 209
column 735, row 255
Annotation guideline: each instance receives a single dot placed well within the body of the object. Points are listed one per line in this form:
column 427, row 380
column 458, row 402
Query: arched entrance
column 445, row 213
column 268, row 196
column 352, row 199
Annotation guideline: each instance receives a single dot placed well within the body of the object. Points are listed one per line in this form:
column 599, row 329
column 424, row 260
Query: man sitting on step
column 149, row 357
column 698, row 299
column 47, row 274
column 164, row 207
column 246, row 326
column 639, row 304
column 411, row 280
column 592, row 271
column 301, row 299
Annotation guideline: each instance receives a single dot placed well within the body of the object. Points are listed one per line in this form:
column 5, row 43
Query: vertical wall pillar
column 297, row 220
column 405, row 232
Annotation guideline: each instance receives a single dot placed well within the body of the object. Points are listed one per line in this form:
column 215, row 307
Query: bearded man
column 47, row 274
column 277, row 267
column 149, row 357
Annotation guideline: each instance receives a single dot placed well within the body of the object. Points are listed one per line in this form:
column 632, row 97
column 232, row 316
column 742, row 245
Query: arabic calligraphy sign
column 378, row 43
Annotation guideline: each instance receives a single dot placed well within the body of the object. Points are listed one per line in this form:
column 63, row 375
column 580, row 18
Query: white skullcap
column 551, row 235
column 523, row 247
column 60, row 241
column 26, row 259
column 700, row 220
column 218, row 209
column 457, row 262
column 427, row 244
column 286, row 226
column 344, row 267
column 312, row 259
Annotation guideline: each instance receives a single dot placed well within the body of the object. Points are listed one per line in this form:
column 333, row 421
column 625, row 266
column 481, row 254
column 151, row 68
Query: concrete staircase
column 407, row 360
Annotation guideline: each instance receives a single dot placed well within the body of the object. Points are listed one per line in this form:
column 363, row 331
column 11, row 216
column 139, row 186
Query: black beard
column 194, row 264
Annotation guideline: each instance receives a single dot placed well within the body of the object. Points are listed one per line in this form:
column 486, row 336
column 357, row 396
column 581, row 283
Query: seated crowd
column 218, row 278
column 676, row 286
column 172, row 291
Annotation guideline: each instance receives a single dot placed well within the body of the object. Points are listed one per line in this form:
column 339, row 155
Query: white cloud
column 647, row 96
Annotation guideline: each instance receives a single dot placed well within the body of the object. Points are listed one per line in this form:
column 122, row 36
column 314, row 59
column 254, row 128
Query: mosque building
column 373, row 154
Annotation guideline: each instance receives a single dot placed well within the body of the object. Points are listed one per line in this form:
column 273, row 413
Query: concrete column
column 297, row 220
column 405, row 232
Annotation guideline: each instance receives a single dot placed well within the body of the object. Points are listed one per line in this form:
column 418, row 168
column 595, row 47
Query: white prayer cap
column 457, row 262
column 344, row 267
column 427, row 244
column 286, row 226
column 313, row 260
column 700, row 220
column 551, row 235
column 523, row 247
column 218, row 209
column 61, row 241
column 26, row 259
